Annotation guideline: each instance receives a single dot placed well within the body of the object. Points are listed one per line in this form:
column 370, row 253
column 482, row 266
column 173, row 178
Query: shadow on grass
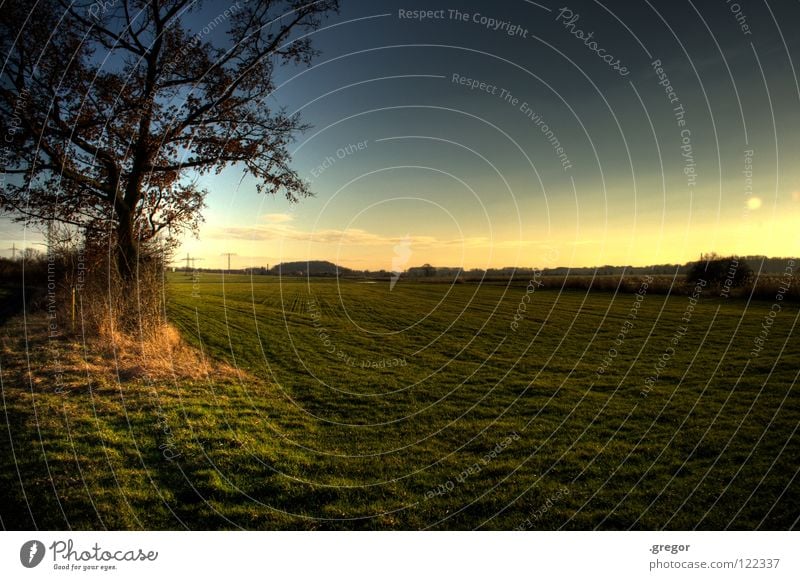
column 69, row 470
column 11, row 302
column 82, row 452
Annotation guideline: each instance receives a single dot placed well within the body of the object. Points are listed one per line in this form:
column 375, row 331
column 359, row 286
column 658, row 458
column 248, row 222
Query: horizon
column 176, row 265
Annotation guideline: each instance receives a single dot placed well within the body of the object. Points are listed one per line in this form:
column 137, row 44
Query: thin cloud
column 277, row 218
column 278, row 229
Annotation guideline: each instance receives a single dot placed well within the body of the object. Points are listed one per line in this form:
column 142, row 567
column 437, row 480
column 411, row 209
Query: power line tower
column 190, row 263
column 229, row 254
column 13, row 249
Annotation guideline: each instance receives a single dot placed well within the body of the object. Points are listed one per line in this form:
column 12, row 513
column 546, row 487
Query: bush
column 721, row 274
column 109, row 305
column 80, row 289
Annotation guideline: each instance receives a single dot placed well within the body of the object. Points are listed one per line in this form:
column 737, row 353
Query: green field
column 422, row 407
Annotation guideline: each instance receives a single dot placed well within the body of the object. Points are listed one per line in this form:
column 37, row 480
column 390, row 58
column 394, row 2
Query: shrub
column 721, row 274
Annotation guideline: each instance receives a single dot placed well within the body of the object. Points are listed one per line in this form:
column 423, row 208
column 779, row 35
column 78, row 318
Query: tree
column 109, row 106
column 719, row 272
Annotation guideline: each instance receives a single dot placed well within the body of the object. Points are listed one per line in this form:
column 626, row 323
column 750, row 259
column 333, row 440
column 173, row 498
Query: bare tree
column 108, row 109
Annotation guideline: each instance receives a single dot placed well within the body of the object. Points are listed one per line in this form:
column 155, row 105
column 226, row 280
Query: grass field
column 358, row 407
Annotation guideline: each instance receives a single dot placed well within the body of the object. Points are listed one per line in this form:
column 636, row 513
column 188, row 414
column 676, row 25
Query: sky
column 526, row 134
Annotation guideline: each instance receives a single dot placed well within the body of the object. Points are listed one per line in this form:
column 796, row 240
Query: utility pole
column 229, row 254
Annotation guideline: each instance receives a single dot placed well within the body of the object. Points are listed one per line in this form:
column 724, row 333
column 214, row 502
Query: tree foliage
column 722, row 272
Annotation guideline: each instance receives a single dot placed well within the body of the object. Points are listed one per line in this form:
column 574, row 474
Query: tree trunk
column 127, row 250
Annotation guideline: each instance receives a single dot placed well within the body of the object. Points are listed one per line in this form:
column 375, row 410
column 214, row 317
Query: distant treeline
column 761, row 265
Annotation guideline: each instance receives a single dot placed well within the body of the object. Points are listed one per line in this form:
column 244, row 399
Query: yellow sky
column 277, row 237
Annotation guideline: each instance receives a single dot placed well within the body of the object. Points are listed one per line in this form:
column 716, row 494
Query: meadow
column 428, row 406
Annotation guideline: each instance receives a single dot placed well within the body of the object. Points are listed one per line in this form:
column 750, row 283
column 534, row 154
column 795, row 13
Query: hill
column 309, row 268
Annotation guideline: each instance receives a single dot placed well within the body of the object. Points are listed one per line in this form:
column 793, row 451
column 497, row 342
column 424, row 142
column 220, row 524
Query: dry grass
column 108, row 355
column 160, row 354
column 125, row 332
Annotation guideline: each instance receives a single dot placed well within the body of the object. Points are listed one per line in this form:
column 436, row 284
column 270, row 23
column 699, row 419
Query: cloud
column 284, row 232
column 277, row 218
column 585, row 242
column 277, row 228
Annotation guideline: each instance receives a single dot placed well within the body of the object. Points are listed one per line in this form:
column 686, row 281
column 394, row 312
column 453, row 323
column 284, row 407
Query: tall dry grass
column 122, row 323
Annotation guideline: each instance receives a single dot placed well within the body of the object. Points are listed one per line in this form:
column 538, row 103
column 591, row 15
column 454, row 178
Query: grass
column 354, row 407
